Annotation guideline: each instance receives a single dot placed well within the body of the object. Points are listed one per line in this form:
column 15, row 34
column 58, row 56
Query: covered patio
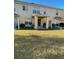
column 41, row 22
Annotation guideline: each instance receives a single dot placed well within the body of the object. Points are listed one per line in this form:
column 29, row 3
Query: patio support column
column 47, row 23
column 36, row 22
column 18, row 23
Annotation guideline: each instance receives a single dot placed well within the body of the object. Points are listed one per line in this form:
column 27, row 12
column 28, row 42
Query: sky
column 51, row 3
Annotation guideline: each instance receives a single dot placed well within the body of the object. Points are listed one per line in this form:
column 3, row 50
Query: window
column 56, row 13
column 36, row 10
column 53, row 25
column 24, row 8
column 56, row 24
column 30, row 23
column 44, row 12
column 26, row 23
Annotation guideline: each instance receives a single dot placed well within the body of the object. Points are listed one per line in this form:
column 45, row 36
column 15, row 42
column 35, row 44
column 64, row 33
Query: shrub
column 61, row 24
column 22, row 26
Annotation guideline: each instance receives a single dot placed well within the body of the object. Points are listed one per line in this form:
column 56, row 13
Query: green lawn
column 39, row 44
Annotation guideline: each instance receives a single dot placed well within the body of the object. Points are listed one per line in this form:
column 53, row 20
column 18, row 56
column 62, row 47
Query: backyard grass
column 39, row 44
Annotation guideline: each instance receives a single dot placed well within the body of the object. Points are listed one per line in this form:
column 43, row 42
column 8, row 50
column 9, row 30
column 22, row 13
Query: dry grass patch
column 37, row 44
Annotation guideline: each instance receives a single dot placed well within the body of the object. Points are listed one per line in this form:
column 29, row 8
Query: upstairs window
column 25, row 8
column 36, row 10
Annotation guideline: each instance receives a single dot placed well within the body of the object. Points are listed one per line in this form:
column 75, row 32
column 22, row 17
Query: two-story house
column 36, row 15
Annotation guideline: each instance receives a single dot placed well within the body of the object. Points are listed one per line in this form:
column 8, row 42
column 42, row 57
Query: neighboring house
column 36, row 15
